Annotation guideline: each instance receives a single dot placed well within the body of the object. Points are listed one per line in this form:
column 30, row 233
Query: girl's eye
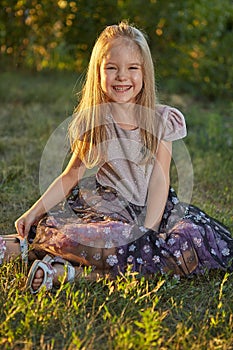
column 110, row 67
column 134, row 67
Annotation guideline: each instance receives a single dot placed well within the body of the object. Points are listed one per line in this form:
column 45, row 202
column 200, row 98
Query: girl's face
column 121, row 76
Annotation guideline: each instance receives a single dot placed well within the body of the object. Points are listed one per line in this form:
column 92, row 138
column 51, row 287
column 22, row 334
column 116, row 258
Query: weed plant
column 130, row 312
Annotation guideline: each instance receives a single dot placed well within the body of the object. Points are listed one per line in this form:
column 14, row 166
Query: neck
column 124, row 115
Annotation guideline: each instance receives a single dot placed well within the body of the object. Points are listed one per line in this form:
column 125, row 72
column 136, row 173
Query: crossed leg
column 10, row 249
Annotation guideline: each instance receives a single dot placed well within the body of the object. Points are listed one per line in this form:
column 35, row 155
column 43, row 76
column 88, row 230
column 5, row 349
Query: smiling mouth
column 122, row 88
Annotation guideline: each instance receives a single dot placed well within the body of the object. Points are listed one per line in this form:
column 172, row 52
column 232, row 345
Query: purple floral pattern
column 193, row 243
column 188, row 241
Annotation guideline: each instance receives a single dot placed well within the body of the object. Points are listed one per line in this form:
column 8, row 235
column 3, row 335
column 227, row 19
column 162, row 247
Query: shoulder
column 171, row 122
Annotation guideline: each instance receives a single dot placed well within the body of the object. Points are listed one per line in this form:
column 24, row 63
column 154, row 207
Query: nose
column 122, row 74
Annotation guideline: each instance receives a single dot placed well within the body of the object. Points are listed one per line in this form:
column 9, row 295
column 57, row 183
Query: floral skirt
column 96, row 227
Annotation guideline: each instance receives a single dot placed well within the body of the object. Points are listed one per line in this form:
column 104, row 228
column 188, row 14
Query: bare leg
column 12, row 251
column 10, row 247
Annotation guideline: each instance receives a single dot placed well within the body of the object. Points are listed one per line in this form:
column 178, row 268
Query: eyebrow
column 130, row 64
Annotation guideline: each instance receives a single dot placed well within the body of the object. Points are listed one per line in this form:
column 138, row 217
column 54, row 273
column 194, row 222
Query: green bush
column 190, row 40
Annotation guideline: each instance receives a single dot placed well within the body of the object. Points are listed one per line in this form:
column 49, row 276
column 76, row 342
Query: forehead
column 124, row 48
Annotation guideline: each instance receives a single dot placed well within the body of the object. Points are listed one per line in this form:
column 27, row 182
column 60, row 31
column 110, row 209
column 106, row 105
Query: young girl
column 126, row 214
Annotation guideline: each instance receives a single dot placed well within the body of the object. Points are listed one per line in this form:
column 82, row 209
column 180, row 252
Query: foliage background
column 191, row 41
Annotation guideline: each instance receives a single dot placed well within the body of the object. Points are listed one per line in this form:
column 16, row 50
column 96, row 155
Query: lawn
column 129, row 313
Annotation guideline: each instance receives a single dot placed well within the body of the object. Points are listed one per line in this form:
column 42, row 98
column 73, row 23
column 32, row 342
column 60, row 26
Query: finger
column 26, row 230
column 20, row 228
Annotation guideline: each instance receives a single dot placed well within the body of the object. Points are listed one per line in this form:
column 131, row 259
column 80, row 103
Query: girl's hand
column 24, row 223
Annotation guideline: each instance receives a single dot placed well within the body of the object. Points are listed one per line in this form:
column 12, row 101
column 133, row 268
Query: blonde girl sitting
column 126, row 214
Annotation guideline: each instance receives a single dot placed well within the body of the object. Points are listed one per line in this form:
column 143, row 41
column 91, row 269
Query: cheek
column 139, row 81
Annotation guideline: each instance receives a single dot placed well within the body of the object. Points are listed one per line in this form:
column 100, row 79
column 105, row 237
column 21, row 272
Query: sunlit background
column 191, row 40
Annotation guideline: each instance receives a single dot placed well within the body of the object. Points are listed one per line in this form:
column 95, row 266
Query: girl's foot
column 58, row 274
column 47, row 272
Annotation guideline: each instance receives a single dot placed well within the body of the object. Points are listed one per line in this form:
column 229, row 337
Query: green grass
column 128, row 313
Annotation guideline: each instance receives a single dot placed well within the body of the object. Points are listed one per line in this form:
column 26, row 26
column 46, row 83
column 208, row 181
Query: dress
column 101, row 222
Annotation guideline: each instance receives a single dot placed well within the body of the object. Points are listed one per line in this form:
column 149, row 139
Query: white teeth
column 118, row 88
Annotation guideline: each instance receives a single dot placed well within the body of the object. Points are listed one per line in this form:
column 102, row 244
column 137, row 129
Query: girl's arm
column 158, row 186
column 56, row 192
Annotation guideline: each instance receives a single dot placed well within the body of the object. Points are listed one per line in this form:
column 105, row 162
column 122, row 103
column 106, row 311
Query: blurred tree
column 190, row 40
column 13, row 31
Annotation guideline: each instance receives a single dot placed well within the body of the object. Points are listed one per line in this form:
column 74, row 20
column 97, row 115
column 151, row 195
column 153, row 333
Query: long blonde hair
column 87, row 130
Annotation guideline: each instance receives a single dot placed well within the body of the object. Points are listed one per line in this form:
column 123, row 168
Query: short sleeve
column 172, row 124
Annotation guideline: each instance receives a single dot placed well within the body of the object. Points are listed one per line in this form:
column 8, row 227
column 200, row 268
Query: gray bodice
column 122, row 168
